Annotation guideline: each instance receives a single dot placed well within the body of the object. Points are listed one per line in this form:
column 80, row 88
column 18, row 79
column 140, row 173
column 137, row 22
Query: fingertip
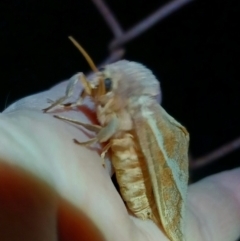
column 75, row 226
column 27, row 206
column 30, row 210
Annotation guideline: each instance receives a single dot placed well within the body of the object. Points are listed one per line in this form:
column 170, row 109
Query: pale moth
column 149, row 148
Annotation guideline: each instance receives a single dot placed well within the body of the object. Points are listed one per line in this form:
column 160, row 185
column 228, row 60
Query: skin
column 52, row 189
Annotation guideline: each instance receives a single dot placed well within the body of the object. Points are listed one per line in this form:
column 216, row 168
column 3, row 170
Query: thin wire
column 213, row 156
column 148, row 22
column 113, row 57
column 109, row 17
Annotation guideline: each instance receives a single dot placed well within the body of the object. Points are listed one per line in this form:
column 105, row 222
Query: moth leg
column 109, row 130
column 86, row 143
column 87, row 91
column 69, row 90
column 90, row 127
column 78, row 102
column 104, row 151
column 104, row 134
column 69, row 104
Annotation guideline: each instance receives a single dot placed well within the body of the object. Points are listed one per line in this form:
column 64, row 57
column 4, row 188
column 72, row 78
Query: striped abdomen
column 133, row 177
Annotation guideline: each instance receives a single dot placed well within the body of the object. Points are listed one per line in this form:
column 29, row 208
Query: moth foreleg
column 91, row 141
column 69, row 91
column 87, row 91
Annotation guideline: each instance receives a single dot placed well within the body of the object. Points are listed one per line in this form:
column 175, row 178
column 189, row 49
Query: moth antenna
column 84, row 53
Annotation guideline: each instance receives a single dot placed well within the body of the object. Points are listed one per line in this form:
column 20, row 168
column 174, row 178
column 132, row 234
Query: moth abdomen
column 133, row 177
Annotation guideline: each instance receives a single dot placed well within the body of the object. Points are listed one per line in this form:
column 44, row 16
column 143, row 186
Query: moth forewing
column 164, row 143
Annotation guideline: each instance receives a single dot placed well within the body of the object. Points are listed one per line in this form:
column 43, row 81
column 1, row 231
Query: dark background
column 194, row 53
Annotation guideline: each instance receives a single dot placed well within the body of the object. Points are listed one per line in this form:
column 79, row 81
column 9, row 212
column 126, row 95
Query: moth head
column 126, row 79
column 129, row 79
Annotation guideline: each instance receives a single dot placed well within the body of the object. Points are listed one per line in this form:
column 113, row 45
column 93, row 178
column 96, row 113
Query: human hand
column 52, row 189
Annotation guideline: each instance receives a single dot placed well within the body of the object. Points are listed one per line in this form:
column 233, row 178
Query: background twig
column 122, row 37
column 147, row 23
column 213, row 156
column 109, row 17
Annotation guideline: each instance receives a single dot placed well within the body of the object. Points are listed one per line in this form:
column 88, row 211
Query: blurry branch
column 122, row 37
column 213, row 156
column 148, row 22
column 113, row 57
column 109, row 18
column 117, row 51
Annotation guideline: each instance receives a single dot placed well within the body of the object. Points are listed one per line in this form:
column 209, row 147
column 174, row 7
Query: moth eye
column 108, row 84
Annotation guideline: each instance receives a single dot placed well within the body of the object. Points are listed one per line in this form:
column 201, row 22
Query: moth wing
column 164, row 143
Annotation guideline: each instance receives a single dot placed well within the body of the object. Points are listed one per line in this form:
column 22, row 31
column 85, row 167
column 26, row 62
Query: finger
column 28, row 207
column 214, row 208
column 31, row 210
column 43, row 146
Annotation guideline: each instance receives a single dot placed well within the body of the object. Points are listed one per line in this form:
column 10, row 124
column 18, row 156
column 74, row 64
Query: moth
column 149, row 148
